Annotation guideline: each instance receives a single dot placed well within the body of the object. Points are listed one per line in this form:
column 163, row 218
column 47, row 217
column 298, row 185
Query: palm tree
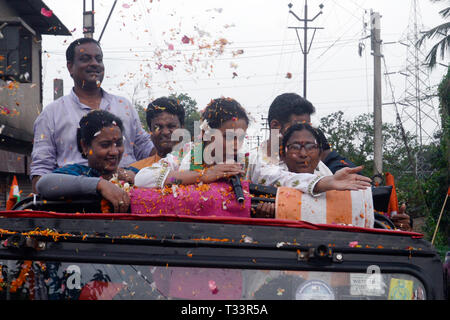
column 439, row 31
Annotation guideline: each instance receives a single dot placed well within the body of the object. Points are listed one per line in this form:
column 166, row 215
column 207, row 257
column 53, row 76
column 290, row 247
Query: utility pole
column 88, row 20
column 266, row 126
column 377, row 103
column 306, row 47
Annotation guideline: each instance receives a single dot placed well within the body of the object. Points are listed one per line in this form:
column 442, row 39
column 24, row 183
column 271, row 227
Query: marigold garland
column 24, row 272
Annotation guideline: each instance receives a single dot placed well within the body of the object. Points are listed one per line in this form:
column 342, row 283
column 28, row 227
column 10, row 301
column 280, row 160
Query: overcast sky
column 243, row 49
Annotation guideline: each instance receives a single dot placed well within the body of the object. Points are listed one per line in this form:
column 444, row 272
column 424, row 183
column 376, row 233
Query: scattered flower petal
column 168, row 66
column 46, row 13
column 213, row 287
column 186, row 39
column 353, row 244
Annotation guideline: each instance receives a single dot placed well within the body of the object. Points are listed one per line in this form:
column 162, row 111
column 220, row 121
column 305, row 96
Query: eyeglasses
column 297, row 147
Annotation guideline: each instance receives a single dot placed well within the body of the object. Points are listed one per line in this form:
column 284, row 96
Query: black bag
column 381, row 196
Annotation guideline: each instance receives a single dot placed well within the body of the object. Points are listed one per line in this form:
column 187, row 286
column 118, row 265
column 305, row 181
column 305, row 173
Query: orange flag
column 14, row 194
column 393, row 201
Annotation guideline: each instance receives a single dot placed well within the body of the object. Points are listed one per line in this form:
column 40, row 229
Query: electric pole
column 306, row 47
column 88, row 20
column 377, row 103
column 266, row 127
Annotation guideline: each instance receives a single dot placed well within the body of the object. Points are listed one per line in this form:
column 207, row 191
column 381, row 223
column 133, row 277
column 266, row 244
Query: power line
column 306, row 48
column 243, row 85
column 343, row 42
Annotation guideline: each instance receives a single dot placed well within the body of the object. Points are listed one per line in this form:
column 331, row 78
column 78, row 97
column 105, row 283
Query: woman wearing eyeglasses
column 300, row 153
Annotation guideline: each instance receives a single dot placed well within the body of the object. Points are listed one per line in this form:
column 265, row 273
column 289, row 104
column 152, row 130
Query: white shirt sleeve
column 155, row 175
column 43, row 156
column 323, row 170
column 261, row 172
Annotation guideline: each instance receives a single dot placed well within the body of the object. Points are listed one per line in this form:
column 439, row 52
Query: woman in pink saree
column 197, row 182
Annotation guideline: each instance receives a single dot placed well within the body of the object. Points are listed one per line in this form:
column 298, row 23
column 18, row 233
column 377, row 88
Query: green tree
column 436, row 186
column 424, row 195
column 444, row 110
column 141, row 112
column 190, row 108
column 354, row 140
column 441, row 32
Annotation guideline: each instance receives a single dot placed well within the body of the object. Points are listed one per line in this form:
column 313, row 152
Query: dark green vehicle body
column 69, row 256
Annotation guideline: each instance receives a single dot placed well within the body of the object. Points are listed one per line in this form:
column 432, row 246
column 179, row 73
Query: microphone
column 237, row 187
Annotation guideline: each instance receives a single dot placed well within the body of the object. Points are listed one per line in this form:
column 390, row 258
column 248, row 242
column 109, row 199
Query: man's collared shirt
column 55, row 131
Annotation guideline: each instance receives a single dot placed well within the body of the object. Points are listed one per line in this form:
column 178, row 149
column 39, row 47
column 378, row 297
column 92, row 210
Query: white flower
column 205, row 126
column 174, row 190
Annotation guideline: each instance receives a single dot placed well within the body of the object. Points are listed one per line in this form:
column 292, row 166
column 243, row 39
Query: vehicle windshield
column 90, row 281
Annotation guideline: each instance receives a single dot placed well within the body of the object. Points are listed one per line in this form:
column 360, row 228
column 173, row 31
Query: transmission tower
column 416, row 106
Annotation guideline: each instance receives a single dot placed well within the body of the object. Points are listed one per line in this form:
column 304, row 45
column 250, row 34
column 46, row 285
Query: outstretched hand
column 349, row 179
column 344, row 179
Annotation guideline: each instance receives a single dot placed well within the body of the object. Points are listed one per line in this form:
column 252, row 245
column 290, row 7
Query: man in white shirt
column 55, row 129
column 287, row 109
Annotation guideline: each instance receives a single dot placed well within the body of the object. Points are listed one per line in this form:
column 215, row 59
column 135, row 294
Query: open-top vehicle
column 59, row 251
